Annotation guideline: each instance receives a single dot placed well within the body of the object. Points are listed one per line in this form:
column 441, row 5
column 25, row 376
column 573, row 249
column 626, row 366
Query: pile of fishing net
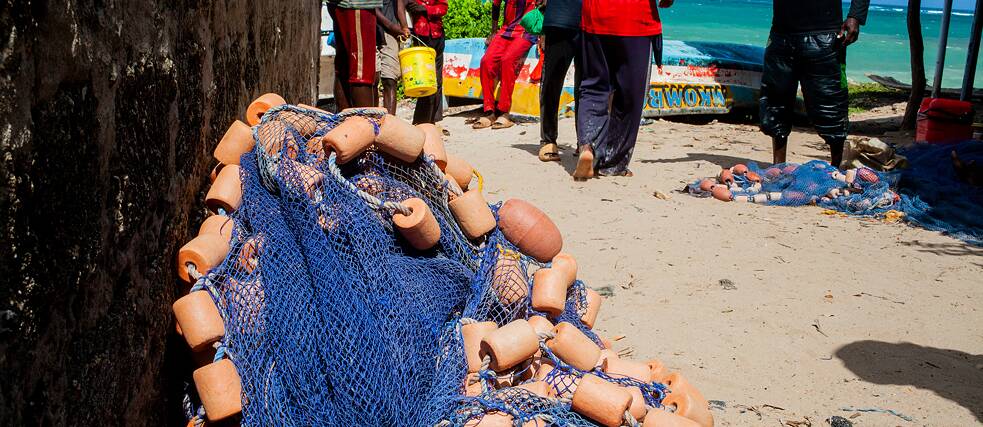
column 353, row 274
column 930, row 192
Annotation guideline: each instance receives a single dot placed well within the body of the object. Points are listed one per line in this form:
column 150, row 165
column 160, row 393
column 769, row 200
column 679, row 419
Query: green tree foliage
column 467, row 18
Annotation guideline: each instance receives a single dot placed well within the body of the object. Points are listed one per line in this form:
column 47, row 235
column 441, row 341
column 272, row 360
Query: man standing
column 807, row 46
column 428, row 26
column 619, row 38
column 354, row 22
column 506, row 52
column 561, row 31
column 392, row 25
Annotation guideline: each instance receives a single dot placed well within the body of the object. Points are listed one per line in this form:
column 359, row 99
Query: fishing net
column 333, row 318
column 929, row 193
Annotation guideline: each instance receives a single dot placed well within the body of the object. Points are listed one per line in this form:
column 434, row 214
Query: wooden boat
column 696, row 78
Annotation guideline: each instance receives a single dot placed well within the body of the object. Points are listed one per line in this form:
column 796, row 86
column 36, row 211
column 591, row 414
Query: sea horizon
column 882, row 49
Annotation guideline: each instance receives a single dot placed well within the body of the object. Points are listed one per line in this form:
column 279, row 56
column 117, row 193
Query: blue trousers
column 616, row 70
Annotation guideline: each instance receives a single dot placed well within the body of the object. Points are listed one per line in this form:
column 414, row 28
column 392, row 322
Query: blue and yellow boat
column 696, row 78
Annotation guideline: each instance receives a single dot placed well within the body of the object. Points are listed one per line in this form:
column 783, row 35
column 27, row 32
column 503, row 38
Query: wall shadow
column 951, row 374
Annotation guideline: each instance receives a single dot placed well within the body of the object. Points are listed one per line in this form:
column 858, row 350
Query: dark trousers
column 815, row 61
column 429, row 109
column 562, row 46
column 615, row 68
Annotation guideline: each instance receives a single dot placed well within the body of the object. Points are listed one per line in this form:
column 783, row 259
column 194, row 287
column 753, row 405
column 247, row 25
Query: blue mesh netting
column 929, row 192
column 332, row 318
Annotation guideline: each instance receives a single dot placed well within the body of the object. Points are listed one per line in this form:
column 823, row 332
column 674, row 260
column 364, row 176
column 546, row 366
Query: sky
column 956, row 4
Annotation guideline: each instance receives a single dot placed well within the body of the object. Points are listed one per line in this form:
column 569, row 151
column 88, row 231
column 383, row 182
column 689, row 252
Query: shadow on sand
column 951, row 374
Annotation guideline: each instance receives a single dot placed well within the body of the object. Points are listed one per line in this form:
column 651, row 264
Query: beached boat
column 697, row 78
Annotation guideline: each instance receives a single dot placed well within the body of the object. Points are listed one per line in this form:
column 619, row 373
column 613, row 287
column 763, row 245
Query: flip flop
column 503, row 122
column 549, row 153
column 482, row 122
column 585, row 166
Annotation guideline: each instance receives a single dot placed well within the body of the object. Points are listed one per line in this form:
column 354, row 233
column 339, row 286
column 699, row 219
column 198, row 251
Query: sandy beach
column 781, row 316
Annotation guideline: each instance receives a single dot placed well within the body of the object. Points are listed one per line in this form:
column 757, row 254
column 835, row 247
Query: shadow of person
column 567, row 160
column 951, row 374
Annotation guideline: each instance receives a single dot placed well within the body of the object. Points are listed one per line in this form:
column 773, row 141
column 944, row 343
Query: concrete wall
column 109, row 112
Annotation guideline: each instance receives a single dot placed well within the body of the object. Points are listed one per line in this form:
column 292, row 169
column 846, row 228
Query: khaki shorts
column 387, row 58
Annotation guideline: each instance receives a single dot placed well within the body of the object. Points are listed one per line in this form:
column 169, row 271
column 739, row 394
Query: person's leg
column 825, row 91
column 778, row 87
column 578, row 74
column 341, row 18
column 595, row 89
column 629, row 59
column 428, row 108
column 388, row 70
column 490, row 71
column 558, row 54
column 362, row 68
column 513, row 59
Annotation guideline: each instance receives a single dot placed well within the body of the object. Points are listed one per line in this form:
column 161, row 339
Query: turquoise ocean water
column 882, row 48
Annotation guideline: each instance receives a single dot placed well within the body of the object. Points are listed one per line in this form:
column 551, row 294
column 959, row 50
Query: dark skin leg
column 340, row 96
column 362, row 95
column 835, row 152
column 779, row 147
column 389, row 95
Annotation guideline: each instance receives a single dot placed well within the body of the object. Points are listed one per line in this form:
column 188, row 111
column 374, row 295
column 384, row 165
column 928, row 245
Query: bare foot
column 585, row 164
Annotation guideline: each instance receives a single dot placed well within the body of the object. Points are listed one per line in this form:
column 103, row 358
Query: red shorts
column 354, row 44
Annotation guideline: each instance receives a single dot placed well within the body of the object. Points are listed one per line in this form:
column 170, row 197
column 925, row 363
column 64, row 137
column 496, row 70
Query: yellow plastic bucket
column 419, row 72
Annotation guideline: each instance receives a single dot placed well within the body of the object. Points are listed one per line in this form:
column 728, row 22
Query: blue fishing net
column 929, row 192
column 332, row 318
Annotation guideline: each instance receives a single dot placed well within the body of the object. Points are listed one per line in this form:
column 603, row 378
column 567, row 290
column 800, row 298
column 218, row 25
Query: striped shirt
column 514, row 11
column 357, row 4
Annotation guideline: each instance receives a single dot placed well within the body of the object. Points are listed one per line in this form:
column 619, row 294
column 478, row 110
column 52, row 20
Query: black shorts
column 817, row 62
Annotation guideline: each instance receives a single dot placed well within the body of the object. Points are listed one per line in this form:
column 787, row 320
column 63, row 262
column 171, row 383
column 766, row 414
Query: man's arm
column 850, row 31
column 401, row 18
column 496, row 8
column 390, row 27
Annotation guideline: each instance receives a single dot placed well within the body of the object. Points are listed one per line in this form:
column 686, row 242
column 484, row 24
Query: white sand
column 827, row 312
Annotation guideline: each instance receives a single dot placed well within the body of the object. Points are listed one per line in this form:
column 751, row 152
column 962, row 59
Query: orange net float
column 593, row 308
column 707, row 184
column 509, row 280
column 472, row 334
column 472, row 213
column 400, row 139
column 259, row 107
column 433, row 144
column 637, row 407
column 220, row 390
column 657, row 370
column 238, row 140
column 530, row 230
column 739, row 169
column 204, row 252
column 726, row 177
column 201, row 323
column 753, row 177
column 491, row 419
column 627, row 368
column 509, row 345
column 460, row 170
column 418, row 225
column 249, row 253
column 225, row 193
column 573, row 347
column 218, row 224
column 350, row 138
column 549, row 291
column 656, row 417
column 687, row 400
column 603, row 402
column 722, row 193
column 276, row 141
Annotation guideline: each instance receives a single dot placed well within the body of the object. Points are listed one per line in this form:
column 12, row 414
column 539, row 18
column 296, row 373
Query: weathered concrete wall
column 109, row 111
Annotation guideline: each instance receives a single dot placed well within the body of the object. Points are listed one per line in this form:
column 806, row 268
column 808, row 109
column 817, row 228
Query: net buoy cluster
column 856, row 191
column 352, row 273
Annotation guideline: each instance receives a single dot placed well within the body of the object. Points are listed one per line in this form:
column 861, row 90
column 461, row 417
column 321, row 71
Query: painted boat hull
column 697, row 78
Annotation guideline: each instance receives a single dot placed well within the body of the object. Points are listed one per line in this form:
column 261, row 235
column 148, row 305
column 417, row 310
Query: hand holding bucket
column 419, row 71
